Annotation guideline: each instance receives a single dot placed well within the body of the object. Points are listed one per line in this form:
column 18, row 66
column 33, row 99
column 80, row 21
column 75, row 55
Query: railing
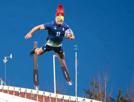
column 41, row 96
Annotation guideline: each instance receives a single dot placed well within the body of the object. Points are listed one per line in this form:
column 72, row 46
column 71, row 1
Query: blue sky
column 104, row 35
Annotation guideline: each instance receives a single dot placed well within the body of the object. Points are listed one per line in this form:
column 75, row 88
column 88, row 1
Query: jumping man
column 57, row 31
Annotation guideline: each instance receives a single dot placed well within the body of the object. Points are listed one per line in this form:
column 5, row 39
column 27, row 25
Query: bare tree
column 98, row 90
column 95, row 90
column 131, row 93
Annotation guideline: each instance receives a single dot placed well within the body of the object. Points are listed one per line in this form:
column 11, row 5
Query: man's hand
column 71, row 36
column 28, row 36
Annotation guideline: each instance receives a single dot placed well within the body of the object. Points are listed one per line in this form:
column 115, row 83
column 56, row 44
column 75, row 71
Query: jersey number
column 58, row 34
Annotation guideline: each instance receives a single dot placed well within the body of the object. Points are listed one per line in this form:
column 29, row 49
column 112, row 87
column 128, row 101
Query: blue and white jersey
column 56, row 33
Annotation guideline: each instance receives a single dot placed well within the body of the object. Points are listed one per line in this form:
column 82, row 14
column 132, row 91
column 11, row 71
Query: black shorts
column 47, row 48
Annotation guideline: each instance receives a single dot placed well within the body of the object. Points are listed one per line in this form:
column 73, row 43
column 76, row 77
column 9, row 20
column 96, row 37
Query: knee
column 38, row 51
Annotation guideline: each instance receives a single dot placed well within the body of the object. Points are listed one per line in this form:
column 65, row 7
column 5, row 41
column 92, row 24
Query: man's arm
column 34, row 29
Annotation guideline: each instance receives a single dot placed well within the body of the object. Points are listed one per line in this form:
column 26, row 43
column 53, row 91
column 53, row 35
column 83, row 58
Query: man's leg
column 40, row 51
column 64, row 66
column 37, row 51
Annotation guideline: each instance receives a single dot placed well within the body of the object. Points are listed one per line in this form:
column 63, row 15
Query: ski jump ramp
column 18, row 94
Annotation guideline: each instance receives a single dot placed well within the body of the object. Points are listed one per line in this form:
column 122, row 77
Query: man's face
column 59, row 19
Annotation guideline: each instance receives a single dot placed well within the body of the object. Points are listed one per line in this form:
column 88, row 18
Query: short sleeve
column 47, row 25
column 67, row 27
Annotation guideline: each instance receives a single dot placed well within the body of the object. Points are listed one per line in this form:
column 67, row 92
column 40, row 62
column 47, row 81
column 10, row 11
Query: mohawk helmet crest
column 60, row 10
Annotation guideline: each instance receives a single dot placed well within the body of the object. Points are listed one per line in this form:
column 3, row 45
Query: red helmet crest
column 60, row 10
